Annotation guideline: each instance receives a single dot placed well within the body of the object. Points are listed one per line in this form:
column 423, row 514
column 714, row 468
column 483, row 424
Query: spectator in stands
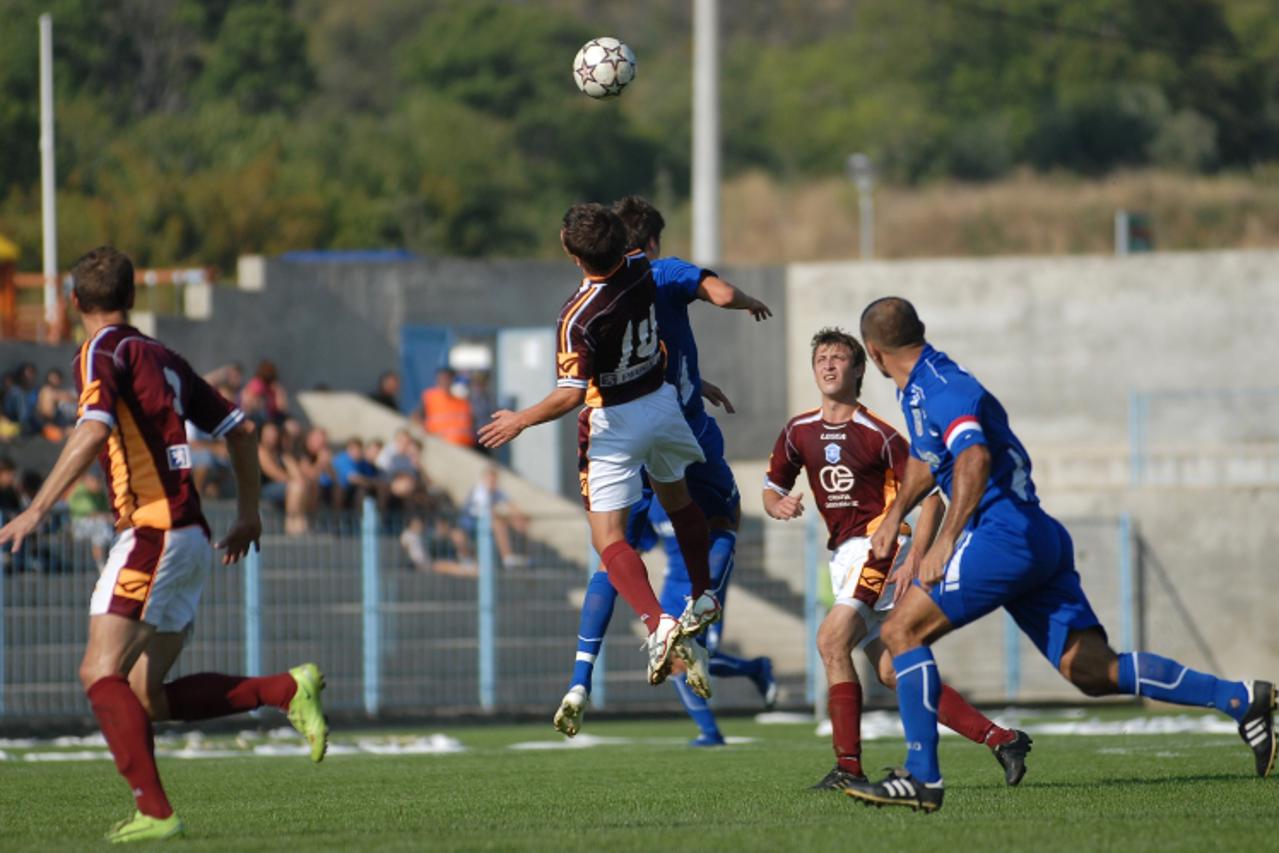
column 263, row 397
column 55, row 408
column 20, row 396
column 91, row 516
column 283, row 483
column 357, row 477
column 483, row 403
column 400, row 463
column 210, row 463
column 436, row 551
column 487, row 495
column 446, row 414
column 10, row 495
column 317, row 468
column 228, row 380
column 388, row 390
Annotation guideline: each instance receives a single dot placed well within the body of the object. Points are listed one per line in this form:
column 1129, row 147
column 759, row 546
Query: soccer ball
column 603, row 67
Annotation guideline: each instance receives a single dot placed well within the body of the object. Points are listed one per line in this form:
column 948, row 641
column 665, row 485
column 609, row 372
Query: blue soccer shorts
column 711, row 485
column 1023, row 561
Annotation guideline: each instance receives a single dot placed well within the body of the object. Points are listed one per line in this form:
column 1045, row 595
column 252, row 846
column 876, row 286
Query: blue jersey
column 948, row 411
column 677, row 282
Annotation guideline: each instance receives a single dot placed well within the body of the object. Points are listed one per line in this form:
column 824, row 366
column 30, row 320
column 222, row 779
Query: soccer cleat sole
column 311, row 684
column 568, row 719
column 868, row 799
column 695, row 673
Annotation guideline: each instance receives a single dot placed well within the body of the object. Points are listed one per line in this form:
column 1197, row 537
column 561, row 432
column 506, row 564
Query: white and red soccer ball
column 603, row 67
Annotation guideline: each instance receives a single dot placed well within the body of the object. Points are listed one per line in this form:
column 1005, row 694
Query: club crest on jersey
column 832, row 453
column 179, row 457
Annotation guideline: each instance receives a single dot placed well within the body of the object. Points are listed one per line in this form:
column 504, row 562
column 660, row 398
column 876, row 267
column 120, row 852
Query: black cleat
column 898, row 788
column 1257, row 728
column 837, row 780
column 1012, row 756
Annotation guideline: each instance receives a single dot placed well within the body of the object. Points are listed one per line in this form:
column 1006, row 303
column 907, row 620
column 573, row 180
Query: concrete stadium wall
column 1062, row 341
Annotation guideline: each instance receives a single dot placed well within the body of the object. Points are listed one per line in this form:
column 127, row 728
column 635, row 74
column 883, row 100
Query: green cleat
column 305, row 712
column 140, row 827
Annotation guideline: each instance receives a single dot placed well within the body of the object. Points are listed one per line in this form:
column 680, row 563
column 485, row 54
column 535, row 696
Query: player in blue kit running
column 710, row 483
column 998, row 548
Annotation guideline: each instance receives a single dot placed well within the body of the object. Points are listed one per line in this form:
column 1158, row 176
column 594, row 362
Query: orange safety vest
column 448, row 417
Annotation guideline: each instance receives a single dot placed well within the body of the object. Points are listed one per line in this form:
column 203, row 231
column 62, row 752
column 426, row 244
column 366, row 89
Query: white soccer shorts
column 648, row 433
column 155, row 576
column 861, row 582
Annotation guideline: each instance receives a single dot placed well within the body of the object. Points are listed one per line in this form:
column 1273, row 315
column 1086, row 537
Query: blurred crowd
column 307, row 478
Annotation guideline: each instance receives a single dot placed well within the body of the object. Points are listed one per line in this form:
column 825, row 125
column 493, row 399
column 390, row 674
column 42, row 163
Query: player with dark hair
column 710, row 482
column 855, row 462
column 998, row 548
column 135, row 397
column 609, row 356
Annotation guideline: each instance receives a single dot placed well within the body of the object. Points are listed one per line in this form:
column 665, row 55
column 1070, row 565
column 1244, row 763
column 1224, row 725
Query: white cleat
column 696, row 666
column 700, row 613
column 661, row 648
column 568, row 719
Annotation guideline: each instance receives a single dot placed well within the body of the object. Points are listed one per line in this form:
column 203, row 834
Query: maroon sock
column 628, row 576
column 212, row 694
column 694, row 537
column 954, row 712
column 127, row 728
column 844, row 704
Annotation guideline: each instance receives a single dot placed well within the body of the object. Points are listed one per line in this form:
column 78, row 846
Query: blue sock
column 720, row 559
column 918, row 691
column 597, row 610
column 696, row 707
column 1146, row 674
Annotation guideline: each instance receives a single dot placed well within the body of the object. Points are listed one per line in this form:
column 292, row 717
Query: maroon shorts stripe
column 583, row 459
column 133, row 581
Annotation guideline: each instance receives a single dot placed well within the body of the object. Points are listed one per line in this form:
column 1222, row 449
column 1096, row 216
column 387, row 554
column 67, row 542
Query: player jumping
column 998, row 548
column 854, row 462
column 609, row 355
column 135, row 396
column 710, row 483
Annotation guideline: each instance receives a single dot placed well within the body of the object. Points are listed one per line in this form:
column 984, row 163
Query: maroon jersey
column 145, row 392
column 853, row 469
column 606, row 336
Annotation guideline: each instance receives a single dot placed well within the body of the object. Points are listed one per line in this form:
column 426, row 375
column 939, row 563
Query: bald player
column 998, row 548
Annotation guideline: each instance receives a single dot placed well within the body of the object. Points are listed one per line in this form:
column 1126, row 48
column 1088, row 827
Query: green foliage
column 192, row 131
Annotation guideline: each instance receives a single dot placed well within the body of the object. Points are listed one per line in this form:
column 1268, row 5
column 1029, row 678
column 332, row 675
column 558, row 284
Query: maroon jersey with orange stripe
column 606, row 336
column 853, row 469
column 145, row 392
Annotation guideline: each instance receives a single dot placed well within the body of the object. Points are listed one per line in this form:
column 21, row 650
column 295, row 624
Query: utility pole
column 861, row 171
column 706, row 135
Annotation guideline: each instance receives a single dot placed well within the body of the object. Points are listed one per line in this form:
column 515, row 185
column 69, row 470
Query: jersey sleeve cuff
column 228, row 423
column 99, row 416
column 570, row 383
column 771, row 486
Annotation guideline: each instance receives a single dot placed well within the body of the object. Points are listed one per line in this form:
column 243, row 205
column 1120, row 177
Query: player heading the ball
column 609, row 356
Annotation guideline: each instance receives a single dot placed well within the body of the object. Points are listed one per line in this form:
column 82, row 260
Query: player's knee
column 834, row 645
column 887, row 675
column 897, row 636
column 91, row 672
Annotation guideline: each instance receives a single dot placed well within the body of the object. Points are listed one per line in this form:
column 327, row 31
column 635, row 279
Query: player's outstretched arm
column 720, row 293
column 84, row 445
column 917, row 483
column 246, row 530
column 507, row 424
column 972, row 472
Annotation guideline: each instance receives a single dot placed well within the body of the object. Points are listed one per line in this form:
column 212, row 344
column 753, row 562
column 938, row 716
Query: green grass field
column 1122, row 792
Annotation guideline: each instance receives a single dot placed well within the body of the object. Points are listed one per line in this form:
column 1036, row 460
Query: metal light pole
column 706, row 141
column 48, row 198
column 861, row 171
